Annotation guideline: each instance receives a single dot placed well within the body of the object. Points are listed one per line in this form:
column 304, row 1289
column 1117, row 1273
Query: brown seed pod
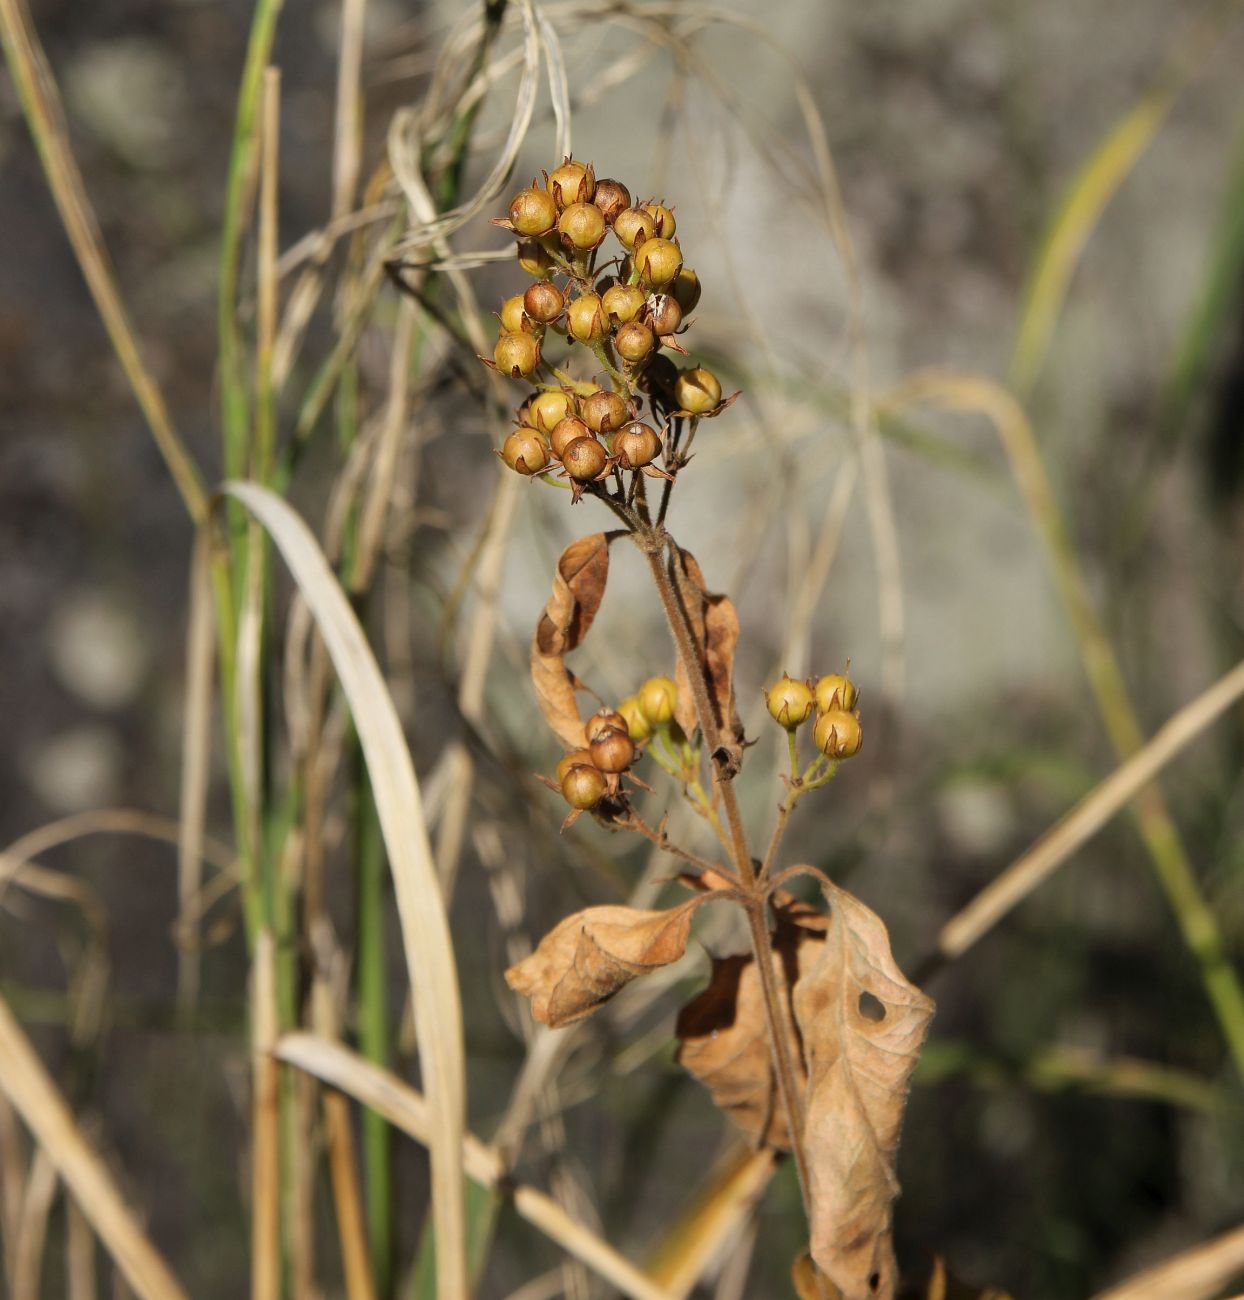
column 586, row 320
column 633, row 226
column 547, row 410
column 662, row 312
column 636, row 445
column 698, row 391
column 543, row 302
column 572, row 182
column 565, row 432
column 583, row 787
column 512, row 315
column 611, row 197
column 576, row 758
column 604, row 412
column 584, row 459
column 622, row 302
column 658, row 261
column 686, row 289
column 582, row 226
column 517, row 355
column 613, row 750
column 662, row 218
column 533, row 212
column 634, row 342
column 525, row 451
column 604, row 720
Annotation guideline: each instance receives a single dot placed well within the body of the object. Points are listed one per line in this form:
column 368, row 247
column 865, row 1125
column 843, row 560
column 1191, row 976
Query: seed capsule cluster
column 622, row 315
column 831, row 700
column 614, row 737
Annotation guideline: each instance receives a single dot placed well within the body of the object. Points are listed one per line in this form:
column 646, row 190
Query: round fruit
column 586, row 320
column 658, row 260
column 790, row 703
column 663, row 218
column 584, row 459
column 611, row 197
column 572, row 182
column 686, row 288
column 576, row 758
column 533, row 212
column 634, row 342
column 604, row 412
column 637, row 725
column 633, row 226
column 543, row 302
column 834, row 691
column 663, row 314
column 512, row 314
column 838, row 734
column 613, row 750
column 525, row 451
column 517, row 354
column 547, row 410
column 534, row 258
column 567, row 431
column 604, row 720
column 583, row 225
column 583, row 787
column 622, row 302
column 698, row 391
column 658, row 698
column 637, row 445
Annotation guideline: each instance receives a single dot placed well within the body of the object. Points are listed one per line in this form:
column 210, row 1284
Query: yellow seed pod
column 637, row 724
column 790, row 703
column 835, row 691
column 698, row 390
column 838, row 734
column 512, row 314
column 658, row 698
column 659, row 261
column 517, row 355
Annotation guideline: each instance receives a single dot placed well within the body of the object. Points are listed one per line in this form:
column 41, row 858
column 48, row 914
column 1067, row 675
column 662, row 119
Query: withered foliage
column 714, row 625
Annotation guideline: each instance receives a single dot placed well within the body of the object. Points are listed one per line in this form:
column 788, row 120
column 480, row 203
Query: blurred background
column 1076, row 1115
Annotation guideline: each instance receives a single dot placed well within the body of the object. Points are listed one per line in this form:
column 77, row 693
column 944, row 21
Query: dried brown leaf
column 863, row 1025
column 714, row 626
column 584, row 961
column 723, row 1039
column 809, row 1282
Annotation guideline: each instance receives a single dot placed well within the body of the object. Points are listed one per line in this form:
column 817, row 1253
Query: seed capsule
column 686, row 289
column 662, row 218
column 658, row 260
column 834, row 691
column 565, row 432
column 525, row 451
column 634, row 341
column 698, row 390
column 576, row 758
column 533, row 257
column 637, row 725
column 613, row 750
column 543, row 302
column 604, row 720
column 586, row 320
column 533, row 212
column 512, row 313
column 583, row 225
column 584, row 459
column 572, row 182
column 663, row 313
column 604, row 412
column 838, row 734
column 547, row 410
column 633, row 226
column 622, row 303
column 658, row 698
column 583, row 787
column 636, row 445
column 517, row 355
column 790, row 703
column 611, row 197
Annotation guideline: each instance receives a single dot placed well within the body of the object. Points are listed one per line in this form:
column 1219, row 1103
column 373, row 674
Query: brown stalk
column 653, row 542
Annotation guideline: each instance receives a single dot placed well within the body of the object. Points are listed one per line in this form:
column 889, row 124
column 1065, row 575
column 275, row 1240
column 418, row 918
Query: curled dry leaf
column 862, row 1025
column 584, row 961
column 723, row 1039
column 714, row 625
column 578, row 588
column 809, row 1282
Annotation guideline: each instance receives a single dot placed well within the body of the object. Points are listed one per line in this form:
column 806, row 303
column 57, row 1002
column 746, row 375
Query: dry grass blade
column 79, row 1254
column 38, row 1101
column 41, row 1185
column 195, row 776
column 12, row 1179
column 714, row 1221
column 425, row 928
column 1196, row 1274
column 405, row 1108
column 42, row 105
column 1088, row 817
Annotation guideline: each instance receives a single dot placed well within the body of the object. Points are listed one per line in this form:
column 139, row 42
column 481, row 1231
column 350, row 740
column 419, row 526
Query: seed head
column 512, row 318
column 662, row 218
column 611, row 197
column 658, row 698
column 583, row 787
column 636, row 445
column 584, row 459
column 633, row 226
column 658, row 260
column 686, row 288
column 572, row 182
column 605, row 719
column 547, row 410
column 525, row 451
column 663, row 313
column 604, row 412
column 543, row 302
column 835, row 691
column 613, row 750
column 576, row 758
column 634, row 342
column 637, row 725
column 622, row 302
column 533, row 257
column 582, row 225
column 565, row 432
column 586, row 319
